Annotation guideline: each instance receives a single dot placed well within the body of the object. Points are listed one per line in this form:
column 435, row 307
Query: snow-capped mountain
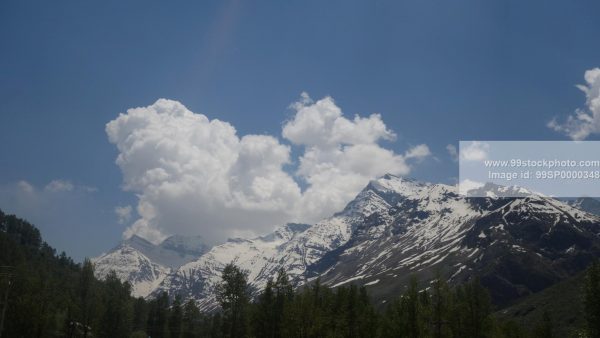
column 293, row 247
column 397, row 227
column 145, row 264
column 515, row 245
column 261, row 257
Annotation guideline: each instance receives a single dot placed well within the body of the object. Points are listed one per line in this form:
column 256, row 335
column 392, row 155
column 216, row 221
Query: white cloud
column 123, row 213
column 54, row 186
column 25, row 186
column 583, row 122
column 475, row 151
column 197, row 176
column 59, row 185
column 322, row 124
column 418, row 152
column 340, row 155
column 453, row 152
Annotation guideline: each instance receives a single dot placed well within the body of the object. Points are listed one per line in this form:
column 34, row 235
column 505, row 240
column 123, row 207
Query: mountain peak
column 136, row 239
column 390, row 177
column 136, row 242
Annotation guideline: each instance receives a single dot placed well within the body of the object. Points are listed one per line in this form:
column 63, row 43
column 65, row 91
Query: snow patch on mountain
column 145, row 265
column 131, row 265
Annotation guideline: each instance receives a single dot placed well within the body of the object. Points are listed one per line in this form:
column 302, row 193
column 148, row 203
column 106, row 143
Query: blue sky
column 437, row 72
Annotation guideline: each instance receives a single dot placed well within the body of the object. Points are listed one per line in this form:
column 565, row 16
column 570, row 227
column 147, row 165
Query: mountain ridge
column 145, row 264
column 397, row 227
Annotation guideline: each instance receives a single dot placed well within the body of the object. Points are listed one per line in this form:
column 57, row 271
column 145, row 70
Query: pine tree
column 352, row 312
column 284, row 293
column 116, row 318
column 367, row 316
column 232, row 293
column 263, row 323
column 393, row 320
column 440, row 307
column 140, row 315
column 87, row 296
column 216, row 326
column 158, row 316
column 175, row 318
column 191, row 321
column 474, row 309
column 413, row 309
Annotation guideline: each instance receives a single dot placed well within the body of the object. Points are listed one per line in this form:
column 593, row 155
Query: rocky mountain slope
column 395, row 228
column 517, row 246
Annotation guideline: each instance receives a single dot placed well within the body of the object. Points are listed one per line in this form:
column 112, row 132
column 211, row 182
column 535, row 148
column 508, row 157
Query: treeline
column 319, row 311
column 51, row 296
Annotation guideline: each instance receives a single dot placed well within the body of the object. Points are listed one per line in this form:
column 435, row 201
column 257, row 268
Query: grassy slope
column 563, row 301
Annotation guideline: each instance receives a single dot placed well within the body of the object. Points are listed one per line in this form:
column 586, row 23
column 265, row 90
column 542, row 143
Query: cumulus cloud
column 340, row 155
column 475, row 151
column 322, row 124
column 194, row 175
column 583, row 122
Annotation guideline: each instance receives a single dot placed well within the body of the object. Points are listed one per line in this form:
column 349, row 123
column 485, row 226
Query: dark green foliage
column 191, row 322
column 562, row 301
column 216, row 326
column 511, row 329
column 116, row 317
column 44, row 294
column 408, row 315
column 140, row 315
column 472, row 311
column 271, row 305
column 591, row 300
column 544, row 328
column 263, row 317
column 317, row 311
column 158, row 316
column 87, row 292
column 175, row 318
column 440, row 308
column 233, row 296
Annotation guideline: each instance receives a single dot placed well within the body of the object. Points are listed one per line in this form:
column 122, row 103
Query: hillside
column 562, row 301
